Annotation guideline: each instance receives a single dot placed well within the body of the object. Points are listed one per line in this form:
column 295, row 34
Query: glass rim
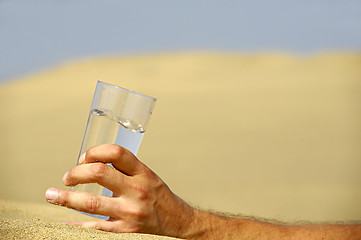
column 126, row 90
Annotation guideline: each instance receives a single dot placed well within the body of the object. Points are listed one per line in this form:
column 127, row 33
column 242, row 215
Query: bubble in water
column 98, row 112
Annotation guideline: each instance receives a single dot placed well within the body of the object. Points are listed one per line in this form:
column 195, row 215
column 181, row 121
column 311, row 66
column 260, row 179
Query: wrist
column 198, row 226
column 206, row 225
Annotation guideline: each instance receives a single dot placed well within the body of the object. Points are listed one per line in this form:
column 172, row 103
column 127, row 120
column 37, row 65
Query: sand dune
column 273, row 135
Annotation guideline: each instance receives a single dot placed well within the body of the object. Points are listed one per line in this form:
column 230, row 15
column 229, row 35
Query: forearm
column 211, row 226
column 326, row 231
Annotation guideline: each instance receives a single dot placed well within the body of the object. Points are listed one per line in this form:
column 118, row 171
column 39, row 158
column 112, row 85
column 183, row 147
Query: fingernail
column 51, row 195
column 82, row 158
column 64, row 177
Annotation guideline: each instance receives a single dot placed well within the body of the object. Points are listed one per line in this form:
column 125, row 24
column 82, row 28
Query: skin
column 143, row 203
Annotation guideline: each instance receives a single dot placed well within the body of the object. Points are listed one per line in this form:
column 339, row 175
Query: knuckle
column 97, row 226
column 143, row 193
column 92, row 203
column 151, row 175
column 63, row 198
column 117, row 151
column 138, row 214
column 98, row 170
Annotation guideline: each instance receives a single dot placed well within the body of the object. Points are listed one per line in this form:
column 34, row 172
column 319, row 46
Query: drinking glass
column 117, row 116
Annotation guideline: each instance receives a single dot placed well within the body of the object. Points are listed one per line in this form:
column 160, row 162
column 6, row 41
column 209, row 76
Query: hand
column 141, row 201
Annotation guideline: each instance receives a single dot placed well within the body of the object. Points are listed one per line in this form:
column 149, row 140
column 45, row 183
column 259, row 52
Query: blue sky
column 38, row 34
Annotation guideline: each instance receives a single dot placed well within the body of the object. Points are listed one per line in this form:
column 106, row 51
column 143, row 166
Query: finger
column 81, row 201
column 96, row 173
column 98, row 225
column 121, row 158
column 107, row 226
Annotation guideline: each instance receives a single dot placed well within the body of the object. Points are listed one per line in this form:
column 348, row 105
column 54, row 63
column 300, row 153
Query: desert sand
column 271, row 135
column 24, row 220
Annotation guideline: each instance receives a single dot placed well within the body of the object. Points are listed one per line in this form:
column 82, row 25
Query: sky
column 38, row 34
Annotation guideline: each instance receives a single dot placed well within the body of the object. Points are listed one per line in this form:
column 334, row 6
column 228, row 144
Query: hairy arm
column 143, row 203
column 211, row 226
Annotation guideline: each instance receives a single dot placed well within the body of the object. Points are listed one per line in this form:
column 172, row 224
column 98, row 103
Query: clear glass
column 117, row 116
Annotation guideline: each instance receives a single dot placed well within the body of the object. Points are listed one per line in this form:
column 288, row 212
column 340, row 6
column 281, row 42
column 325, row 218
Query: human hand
column 141, row 201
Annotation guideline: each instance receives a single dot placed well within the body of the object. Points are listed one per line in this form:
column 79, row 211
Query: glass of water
column 117, row 116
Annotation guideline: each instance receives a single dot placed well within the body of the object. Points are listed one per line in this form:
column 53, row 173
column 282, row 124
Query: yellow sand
column 24, row 220
column 275, row 135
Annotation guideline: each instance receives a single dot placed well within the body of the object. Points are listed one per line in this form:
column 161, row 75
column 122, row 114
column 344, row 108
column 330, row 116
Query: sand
column 271, row 135
column 25, row 220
